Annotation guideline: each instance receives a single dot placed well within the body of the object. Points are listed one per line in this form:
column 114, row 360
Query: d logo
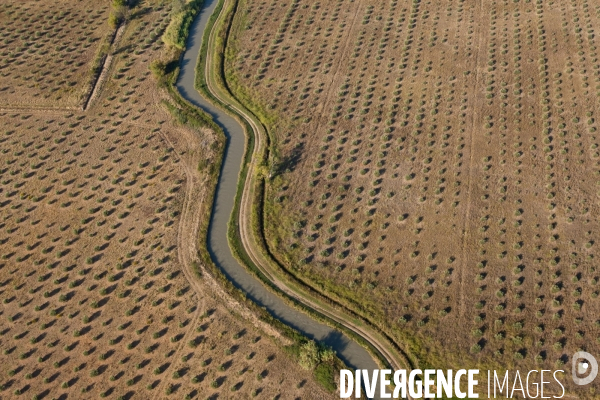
column 582, row 363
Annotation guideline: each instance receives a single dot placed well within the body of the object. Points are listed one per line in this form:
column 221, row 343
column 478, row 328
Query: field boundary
column 465, row 234
column 33, row 109
column 94, row 87
column 100, row 78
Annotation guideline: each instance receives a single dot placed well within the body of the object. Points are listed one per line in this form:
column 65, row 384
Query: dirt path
column 252, row 244
column 465, row 230
column 97, row 84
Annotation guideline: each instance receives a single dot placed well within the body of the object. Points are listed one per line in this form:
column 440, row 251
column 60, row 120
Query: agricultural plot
column 435, row 166
column 48, row 55
column 94, row 299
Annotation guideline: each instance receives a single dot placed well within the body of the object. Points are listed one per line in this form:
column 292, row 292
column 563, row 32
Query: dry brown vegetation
column 94, row 299
column 435, row 166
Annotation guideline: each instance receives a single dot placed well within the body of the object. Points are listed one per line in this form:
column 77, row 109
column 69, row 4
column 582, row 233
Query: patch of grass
column 325, row 375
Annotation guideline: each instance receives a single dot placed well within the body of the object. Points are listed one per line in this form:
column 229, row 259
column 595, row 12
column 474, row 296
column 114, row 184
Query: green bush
column 309, row 355
column 324, row 374
column 113, row 20
column 176, row 33
column 118, row 13
column 158, row 69
column 186, row 116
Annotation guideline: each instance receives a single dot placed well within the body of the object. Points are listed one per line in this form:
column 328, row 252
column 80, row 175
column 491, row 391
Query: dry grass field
column 435, row 166
column 48, row 53
column 94, row 299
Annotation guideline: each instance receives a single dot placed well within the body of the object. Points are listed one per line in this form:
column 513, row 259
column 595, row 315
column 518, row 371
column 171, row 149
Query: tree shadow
column 288, row 162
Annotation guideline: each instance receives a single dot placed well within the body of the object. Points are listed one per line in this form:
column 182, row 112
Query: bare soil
column 95, row 253
column 48, row 52
column 434, row 167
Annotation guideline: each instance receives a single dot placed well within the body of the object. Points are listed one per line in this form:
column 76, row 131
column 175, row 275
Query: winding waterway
column 347, row 349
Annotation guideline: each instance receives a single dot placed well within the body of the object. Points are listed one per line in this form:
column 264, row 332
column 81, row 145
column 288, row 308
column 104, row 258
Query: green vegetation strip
column 182, row 17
